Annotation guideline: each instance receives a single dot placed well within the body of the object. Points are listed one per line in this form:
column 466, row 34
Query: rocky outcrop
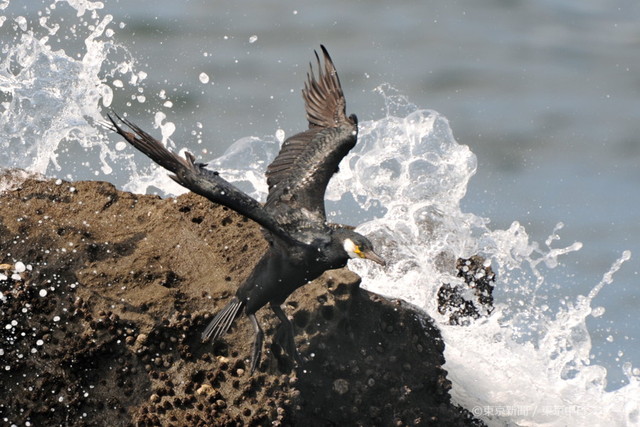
column 104, row 295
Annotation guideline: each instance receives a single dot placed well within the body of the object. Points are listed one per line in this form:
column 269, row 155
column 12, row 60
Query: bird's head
column 358, row 246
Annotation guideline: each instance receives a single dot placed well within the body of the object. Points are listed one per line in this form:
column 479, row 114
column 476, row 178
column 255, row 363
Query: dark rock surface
column 472, row 299
column 104, row 295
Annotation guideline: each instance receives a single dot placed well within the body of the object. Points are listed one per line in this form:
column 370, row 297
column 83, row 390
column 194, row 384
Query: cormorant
column 302, row 245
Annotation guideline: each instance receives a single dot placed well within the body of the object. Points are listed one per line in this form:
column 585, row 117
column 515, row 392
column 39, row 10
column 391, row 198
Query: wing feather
column 196, row 178
column 324, row 99
column 300, row 173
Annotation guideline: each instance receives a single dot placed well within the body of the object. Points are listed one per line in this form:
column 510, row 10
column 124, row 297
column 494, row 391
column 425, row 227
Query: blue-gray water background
column 545, row 93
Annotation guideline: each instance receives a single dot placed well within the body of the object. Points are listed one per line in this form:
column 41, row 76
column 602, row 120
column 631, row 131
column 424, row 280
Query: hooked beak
column 374, row 257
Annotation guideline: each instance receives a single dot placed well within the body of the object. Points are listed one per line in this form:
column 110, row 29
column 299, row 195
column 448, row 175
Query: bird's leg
column 290, row 333
column 257, row 344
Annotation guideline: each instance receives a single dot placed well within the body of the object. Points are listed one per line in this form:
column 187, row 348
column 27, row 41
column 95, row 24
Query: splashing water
column 526, row 364
column 51, row 97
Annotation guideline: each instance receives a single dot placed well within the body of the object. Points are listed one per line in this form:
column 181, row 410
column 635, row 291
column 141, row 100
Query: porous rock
column 130, row 282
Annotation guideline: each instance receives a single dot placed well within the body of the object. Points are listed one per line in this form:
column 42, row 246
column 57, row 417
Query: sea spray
column 57, row 73
column 526, row 364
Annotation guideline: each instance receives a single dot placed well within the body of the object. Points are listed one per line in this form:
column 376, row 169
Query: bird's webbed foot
column 286, row 327
column 256, row 350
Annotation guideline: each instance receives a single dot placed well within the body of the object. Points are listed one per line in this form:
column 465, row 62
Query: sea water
column 529, row 363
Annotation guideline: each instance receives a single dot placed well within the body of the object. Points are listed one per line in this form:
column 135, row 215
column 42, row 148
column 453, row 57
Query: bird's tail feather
column 223, row 320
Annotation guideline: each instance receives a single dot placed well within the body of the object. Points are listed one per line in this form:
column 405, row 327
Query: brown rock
column 156, row 270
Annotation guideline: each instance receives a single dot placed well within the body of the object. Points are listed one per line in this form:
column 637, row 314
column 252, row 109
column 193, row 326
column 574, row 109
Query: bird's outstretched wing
column 196, row 178
column 300, row 173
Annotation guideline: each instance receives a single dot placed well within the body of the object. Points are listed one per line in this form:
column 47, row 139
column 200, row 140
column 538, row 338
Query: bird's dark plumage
column 300, row 173
column 302, row 244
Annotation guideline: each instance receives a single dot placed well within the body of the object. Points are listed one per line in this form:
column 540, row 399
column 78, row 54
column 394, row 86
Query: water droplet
column 22, row 22
column 204, row 78
column 253, row 39
column 19, row 267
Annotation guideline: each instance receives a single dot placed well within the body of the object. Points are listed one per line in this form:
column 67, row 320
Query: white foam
column 53, row 97
column 524, row 365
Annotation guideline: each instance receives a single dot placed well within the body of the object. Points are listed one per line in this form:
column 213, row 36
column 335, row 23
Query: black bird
column 302, row 245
